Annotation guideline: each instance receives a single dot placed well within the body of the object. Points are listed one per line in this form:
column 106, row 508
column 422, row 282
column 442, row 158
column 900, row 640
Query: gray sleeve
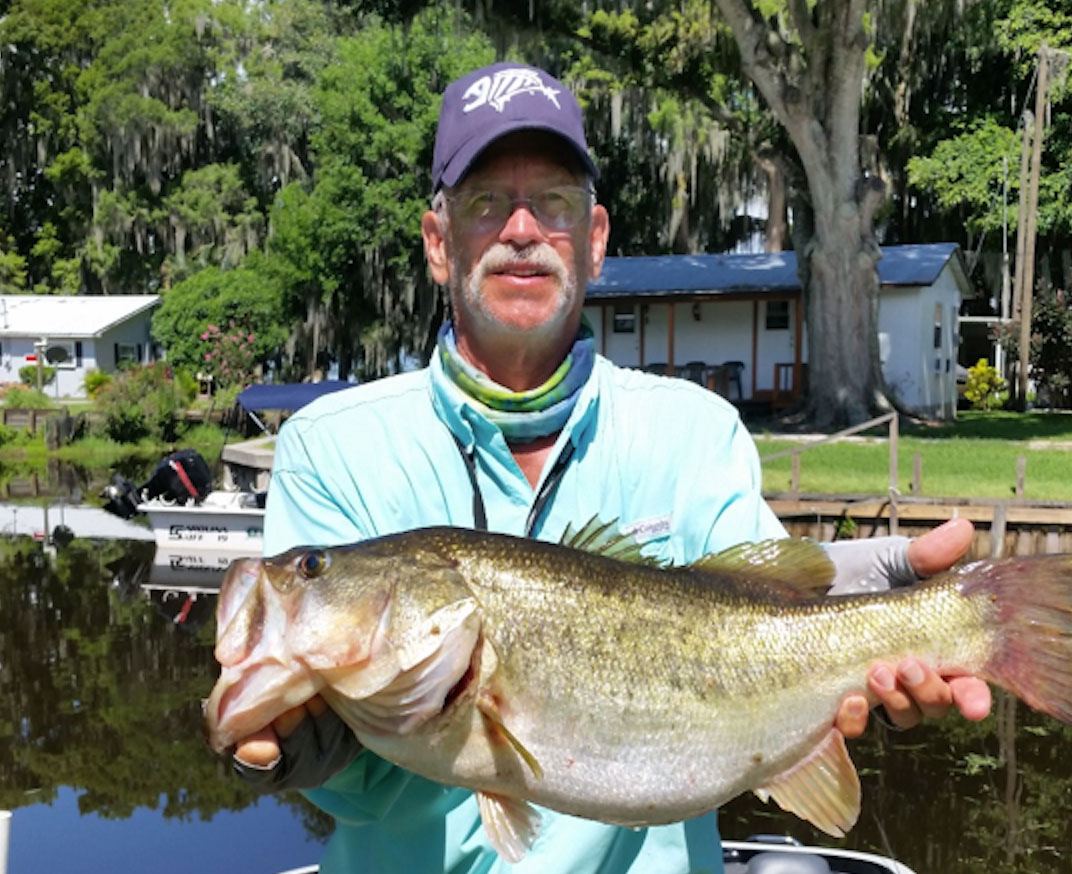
column 318, row 749
column 871, row 564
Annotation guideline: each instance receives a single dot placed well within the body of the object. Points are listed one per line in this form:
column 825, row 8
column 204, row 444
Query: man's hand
column 910, row 690
column 261, row 749
column 300, row 749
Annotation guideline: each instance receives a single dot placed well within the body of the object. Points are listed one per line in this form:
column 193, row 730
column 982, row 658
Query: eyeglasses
column 556, row 209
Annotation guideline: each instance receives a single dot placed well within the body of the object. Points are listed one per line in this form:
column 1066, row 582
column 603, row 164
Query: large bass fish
column 587, row 679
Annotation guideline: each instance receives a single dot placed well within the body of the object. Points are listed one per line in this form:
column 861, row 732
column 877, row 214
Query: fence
column 1003, row 526
column 60, row 426
column 888, row 419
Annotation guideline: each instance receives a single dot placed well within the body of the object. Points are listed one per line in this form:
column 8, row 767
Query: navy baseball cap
column 493, row 101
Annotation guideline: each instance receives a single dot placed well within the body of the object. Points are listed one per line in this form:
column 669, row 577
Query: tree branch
column 753, row 36
column 800, row 15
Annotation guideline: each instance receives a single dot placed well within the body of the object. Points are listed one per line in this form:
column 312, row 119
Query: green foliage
column 28, row 374
column 968, row 171
column 95, row 381
column 1051, row 345
column 1050, row 356
column 23, row 397
column 12, row 268
column 984, row 385
column 348, row 244
column 142, row 402
column 248, row 300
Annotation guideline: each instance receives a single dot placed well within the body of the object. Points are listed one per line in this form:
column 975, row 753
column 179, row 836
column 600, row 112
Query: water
column 102, row 757
column 103, row 761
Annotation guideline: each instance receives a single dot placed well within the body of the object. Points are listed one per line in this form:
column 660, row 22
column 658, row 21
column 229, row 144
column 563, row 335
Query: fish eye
column 313, row 564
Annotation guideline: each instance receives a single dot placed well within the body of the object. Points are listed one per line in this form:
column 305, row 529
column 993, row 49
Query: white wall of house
column 918, row 338
column 722, row 333
column 16, row 353
column 71, row 374
column 775, row 342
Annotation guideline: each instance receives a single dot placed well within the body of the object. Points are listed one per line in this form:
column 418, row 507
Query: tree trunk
column 813, row 85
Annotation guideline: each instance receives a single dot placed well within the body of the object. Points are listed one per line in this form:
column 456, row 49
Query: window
column 126, row 353
column 624, row 319
column 60, row 353
column 777, row 315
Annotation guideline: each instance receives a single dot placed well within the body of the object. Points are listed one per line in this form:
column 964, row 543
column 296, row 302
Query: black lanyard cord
column 548, row 487
column 480, row 514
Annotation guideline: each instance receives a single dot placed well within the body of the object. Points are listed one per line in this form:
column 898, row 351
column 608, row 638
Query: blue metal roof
column 654, row 275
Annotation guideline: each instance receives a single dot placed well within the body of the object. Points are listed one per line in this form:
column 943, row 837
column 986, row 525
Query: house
column 736, row 321
column 74, row 334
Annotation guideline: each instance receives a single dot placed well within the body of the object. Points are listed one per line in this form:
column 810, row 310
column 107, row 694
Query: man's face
column 519, row 266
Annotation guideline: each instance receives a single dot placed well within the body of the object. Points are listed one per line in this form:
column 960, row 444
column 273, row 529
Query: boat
column 221, row 520
column 184, row 509
column 779, row 854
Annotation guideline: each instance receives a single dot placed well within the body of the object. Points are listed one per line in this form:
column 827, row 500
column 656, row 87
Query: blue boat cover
column 290, row 396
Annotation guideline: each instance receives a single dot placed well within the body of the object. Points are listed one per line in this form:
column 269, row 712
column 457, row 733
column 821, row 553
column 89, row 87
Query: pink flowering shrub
column 229, row 355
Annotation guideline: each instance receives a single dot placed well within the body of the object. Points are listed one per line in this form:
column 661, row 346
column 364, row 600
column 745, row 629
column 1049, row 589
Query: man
column 517, row 426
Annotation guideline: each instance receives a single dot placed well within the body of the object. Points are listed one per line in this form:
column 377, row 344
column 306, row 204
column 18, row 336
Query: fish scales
column 624, row 692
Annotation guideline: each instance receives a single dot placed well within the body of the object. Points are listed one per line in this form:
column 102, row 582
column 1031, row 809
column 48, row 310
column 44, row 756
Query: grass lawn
column 972, row 458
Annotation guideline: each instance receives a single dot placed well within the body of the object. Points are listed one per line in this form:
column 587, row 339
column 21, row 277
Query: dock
column 1002, row 526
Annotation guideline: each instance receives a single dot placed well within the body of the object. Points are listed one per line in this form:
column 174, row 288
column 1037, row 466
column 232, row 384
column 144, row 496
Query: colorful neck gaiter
column 522, row 415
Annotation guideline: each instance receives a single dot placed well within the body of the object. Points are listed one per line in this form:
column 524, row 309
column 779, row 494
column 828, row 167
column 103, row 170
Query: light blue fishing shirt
column 666, row 458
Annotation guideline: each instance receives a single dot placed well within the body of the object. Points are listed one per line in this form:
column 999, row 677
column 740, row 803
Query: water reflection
column 103, row 665
column 100, row 689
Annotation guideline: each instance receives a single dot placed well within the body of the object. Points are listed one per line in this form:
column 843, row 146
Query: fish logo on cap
column 497, row 90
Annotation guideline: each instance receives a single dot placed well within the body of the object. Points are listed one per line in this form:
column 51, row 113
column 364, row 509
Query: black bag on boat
column 180, row 477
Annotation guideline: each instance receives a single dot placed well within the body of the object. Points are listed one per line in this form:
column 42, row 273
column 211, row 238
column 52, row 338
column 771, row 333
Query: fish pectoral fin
column 489, row 709
column 823, row 788
column 510, row 823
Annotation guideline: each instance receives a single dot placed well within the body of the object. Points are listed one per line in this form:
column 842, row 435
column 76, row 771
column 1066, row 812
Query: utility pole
column 1030, row 219
column 1021, row 222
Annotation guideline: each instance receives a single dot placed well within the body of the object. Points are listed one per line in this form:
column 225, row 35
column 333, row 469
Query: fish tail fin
column 1032, row 597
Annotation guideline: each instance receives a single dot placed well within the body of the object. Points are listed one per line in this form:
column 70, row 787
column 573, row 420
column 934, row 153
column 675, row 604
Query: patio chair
column 735, row 368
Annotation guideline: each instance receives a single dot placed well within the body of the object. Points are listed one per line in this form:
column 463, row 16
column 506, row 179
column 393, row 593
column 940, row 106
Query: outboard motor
column 122, row 497
column 180, row 477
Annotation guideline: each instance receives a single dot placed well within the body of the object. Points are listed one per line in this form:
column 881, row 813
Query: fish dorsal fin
column 823, row 788
column 604, row 538
column 797, row 566
column 510, row 824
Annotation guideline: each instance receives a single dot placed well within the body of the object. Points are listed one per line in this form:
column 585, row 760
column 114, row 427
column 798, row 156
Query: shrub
column 95, row 381
column 984, row 385
column 28, row 375
column 21, row 397
column 142, row 402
